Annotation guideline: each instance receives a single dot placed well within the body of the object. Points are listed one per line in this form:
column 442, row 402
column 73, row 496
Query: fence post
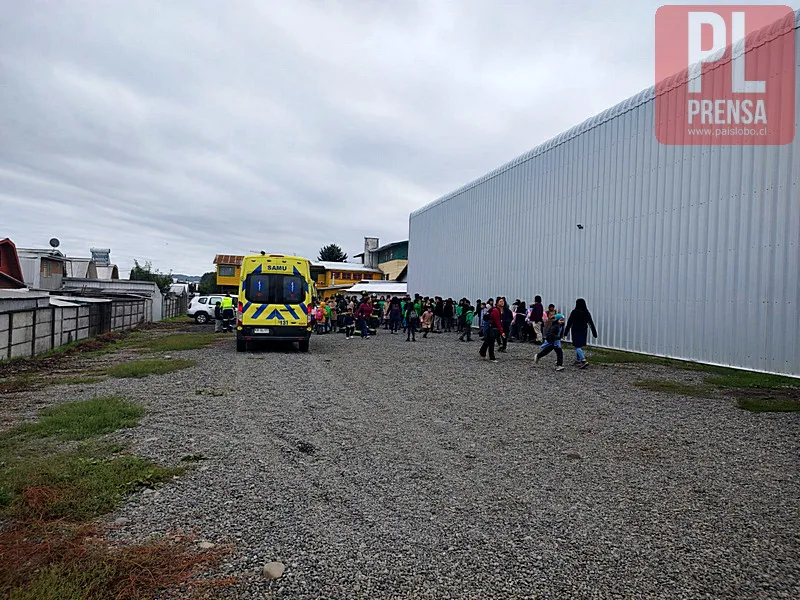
column 10, row 331
column 52, row 327
column 33, row 333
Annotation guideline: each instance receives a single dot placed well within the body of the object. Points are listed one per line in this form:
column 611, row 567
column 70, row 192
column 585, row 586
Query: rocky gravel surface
column 385, row 469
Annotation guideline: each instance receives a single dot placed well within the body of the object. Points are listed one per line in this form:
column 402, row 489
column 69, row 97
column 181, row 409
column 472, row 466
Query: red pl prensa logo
column 725, row 75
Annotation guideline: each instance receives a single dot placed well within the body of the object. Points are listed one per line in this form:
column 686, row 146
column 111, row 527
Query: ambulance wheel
column 303, row 345
column 241, row 345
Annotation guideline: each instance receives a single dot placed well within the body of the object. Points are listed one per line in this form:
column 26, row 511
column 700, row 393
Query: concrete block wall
column 21, row 335
column 43, row 330
column 25, row 333
column 127, row 315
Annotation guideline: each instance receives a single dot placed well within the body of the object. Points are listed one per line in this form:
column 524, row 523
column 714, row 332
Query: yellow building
column 333, row 277
column 228, row 269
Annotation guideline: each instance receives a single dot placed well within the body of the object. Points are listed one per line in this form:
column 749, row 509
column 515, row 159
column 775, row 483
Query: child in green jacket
column 469, row 314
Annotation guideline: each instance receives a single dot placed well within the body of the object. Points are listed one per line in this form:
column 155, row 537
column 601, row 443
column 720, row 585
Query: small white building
column 42, row 269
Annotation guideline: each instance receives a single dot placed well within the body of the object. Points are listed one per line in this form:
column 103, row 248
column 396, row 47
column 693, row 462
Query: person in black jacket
column 218, row 323
column 448, row 312
column 412, row 321
column 349, row 324
column 518, row 328
column 438, row 313
column 580, row 319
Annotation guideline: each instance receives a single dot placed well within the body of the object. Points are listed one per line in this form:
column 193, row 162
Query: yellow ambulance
column 275, row 292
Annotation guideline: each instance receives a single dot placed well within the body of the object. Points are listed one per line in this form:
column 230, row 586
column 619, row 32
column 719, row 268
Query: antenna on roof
column 54, row 242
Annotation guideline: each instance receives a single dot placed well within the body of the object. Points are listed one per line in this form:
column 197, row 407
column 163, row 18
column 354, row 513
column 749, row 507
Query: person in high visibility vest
column 227, row 313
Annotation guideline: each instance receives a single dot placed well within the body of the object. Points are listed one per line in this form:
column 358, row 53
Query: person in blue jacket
column 552, row 341
column 580, row 320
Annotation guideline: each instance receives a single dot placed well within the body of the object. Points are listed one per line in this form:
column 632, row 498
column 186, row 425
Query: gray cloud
column 174, row 131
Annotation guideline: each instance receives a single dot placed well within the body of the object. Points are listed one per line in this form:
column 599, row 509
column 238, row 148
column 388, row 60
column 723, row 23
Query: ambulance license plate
column 260, row 330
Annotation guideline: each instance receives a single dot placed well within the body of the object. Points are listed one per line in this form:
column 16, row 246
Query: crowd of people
column 493, row 321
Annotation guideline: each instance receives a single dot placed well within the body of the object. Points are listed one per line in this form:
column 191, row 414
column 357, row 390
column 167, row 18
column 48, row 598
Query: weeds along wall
column 685, row 251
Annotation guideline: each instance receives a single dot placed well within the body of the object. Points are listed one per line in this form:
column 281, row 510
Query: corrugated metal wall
column 687, row 251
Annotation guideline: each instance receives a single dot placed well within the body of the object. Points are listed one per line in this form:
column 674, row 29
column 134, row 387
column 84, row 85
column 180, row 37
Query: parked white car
column 201, row 308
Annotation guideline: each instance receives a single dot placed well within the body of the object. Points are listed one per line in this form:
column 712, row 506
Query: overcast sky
column 173, row 131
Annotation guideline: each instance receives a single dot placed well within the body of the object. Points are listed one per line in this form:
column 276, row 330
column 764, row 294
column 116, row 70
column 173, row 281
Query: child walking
column 349, row 324
column 469, row 314
column 427, row 321
column 555, row 331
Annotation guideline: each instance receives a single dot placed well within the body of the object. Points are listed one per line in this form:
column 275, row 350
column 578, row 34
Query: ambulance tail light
column 239, row 315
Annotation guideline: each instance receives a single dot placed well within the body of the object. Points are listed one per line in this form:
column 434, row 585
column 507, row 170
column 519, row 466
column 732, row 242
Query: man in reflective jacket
column 227, row 313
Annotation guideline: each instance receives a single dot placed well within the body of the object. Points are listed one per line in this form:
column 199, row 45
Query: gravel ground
column 384, row 469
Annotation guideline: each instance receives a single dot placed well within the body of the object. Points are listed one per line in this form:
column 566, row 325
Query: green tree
column 208, row 283
column 332, row 253
column 146, row 273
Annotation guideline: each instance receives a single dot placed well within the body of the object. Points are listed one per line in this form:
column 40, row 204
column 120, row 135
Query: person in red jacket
column 494, row 329
column 364, row 314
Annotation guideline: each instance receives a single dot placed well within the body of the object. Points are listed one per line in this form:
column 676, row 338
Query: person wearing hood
column 555, row 331
column 579, row 322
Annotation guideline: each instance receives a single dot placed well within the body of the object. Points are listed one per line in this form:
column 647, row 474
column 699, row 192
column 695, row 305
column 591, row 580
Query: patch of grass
column 604, row 356
column 748, row 379
column 81, row 420
column 51, row 486
column 180, row 319
column 193, row 458
column 608, row 356
column 69, row 562
column 755, row 404
column 129, row 340
column 65, row 349
column 143, row 368
column 674, row 387
column 180, row 341
column 43, row 480
column 76, row 485
column 722, row 376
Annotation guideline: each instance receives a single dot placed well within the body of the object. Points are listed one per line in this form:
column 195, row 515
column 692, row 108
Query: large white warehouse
column 689, row 252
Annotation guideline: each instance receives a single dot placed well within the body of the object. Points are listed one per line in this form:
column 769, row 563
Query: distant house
column 391, row 259
column 85, row 268
column 11, row 276
column 228, row 267
column 42, row 269
column 179, row 289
